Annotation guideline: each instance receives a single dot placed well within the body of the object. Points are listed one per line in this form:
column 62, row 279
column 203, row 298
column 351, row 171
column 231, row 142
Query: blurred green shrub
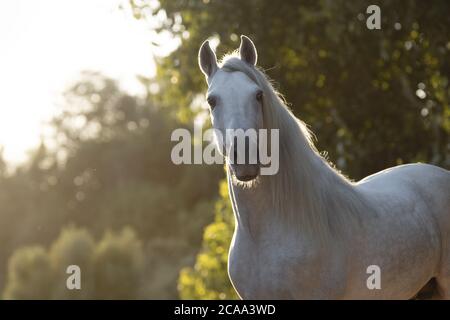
column 112, row 268
column 29, row 274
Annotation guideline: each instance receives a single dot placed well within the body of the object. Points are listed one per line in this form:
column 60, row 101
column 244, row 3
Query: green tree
column 208, row 279
column 29, row 274
column 118, row 266
column 74, row 246
column 110, row 168
column 374, row 99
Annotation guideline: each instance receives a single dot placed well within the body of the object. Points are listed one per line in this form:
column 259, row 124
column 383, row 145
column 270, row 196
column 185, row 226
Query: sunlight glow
column 46, row 44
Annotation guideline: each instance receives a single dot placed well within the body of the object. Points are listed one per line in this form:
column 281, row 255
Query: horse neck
column 306, row 193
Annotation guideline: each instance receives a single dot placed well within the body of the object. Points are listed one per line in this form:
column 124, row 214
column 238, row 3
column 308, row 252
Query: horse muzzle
column 245, row 172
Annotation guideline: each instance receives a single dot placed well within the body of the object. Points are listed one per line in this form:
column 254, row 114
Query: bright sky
column 43, row 47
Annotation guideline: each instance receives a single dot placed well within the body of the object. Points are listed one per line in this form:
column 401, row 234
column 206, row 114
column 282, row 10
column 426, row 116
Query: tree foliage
column 374, row 98
column 355, row 87
column 208, row 279
column 110, row 168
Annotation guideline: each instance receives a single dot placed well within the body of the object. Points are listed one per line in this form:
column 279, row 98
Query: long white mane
column 308, row 191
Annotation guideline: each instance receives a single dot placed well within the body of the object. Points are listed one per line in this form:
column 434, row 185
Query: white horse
column 308, row 232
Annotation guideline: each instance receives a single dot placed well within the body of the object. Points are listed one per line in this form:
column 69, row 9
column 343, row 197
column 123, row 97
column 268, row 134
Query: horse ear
column 207, row 59
column 247, row 50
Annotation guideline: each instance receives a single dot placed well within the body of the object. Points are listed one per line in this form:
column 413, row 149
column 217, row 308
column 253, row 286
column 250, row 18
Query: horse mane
column 308, row 191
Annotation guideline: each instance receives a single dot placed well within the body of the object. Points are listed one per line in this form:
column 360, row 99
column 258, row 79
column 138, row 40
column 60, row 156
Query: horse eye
column 259, row 96
column 211, row 102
